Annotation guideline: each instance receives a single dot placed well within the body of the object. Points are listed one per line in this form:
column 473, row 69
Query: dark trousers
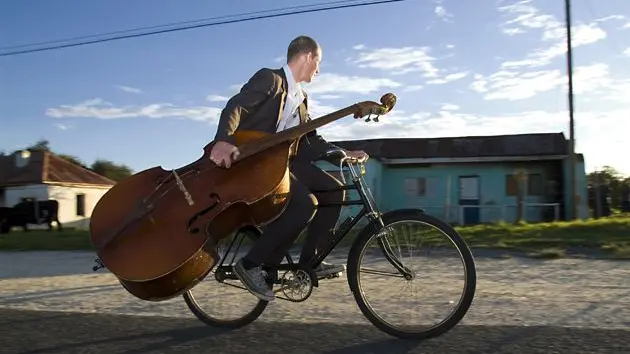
column 301, row 211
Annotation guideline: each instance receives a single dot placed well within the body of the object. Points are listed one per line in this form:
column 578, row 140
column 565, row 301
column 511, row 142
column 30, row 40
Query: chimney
column 22, row 158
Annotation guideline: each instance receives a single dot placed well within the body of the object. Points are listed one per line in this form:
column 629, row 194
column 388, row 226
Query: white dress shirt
column 295, row 97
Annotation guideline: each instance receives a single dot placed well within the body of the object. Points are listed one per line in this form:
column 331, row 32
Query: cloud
column 512, row 85
column 611, row 17
column 100, row 109
column 398, row 61
column 524, row 18
column 590, row 127
column 129, row 89
column 217, row 98
column 62, row 126
column 448, row 78
column 316, row 109
column 442, row 14
column 626, row 52
column 412, row 88
column 512, row 31
column 330, row 83
column 328, row 97
column 406, row 60
column 450, row 107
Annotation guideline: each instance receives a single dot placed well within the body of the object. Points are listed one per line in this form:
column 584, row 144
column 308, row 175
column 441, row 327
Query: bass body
column 157, row 230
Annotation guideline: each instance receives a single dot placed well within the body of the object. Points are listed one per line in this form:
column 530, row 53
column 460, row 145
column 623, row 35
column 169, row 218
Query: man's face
column 312, row 65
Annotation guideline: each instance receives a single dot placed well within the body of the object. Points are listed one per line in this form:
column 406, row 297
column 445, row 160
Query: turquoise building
column 472, row 180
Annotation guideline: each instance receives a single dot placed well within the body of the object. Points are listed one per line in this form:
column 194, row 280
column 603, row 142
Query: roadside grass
column 608, row 236
column 42, row 240
column 554, row 240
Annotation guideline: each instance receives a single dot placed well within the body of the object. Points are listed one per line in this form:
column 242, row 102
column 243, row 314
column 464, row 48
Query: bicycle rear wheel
column 385, row 251
column 223, row 312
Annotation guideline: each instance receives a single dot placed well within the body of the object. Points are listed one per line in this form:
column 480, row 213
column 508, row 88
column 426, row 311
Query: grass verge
column 608, row 236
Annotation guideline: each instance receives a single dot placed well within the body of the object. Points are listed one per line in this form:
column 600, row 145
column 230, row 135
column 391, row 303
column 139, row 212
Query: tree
column 103, row 167
column 40, row 145
column 615, row 183
column 111, row 170
column 73, row 159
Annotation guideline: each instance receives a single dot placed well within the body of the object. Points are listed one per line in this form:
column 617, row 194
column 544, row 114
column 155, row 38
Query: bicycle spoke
column 409, row 306
column 391, row 274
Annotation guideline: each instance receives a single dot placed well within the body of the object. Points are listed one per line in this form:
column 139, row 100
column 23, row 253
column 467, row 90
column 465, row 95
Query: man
column 271, row 101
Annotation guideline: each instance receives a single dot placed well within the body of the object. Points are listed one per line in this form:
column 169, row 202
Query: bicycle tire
column 248, row 318
column 412, row 215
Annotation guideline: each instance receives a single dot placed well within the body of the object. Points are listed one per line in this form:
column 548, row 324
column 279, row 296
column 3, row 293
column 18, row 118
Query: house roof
column 468, row 146
column 46, row 167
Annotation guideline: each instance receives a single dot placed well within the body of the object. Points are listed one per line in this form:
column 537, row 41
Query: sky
column 458, row 68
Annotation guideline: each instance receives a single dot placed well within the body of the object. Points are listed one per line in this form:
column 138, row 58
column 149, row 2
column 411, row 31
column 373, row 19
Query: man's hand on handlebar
column 223, row 154
column 358, row 155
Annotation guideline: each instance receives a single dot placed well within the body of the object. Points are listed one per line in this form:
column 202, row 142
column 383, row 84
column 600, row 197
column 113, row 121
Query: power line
column 188, row 27
column 172, row 24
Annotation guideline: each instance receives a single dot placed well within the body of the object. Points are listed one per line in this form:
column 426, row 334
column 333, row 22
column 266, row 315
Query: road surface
column 51, row 302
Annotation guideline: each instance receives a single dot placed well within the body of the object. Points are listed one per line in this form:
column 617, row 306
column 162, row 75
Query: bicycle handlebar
column 343, row 157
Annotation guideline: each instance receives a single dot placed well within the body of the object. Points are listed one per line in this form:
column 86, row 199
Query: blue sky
column 458, row 68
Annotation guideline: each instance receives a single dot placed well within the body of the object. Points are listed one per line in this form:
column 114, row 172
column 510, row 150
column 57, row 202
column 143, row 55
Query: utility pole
column 572, row 157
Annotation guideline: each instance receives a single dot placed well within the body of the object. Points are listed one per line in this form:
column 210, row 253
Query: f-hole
column 204, row 211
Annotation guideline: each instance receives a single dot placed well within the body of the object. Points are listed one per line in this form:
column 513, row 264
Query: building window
column 511, row 185
column 80, row 204
column 415, row 187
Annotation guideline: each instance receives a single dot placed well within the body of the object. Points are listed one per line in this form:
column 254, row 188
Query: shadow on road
column 56, row 332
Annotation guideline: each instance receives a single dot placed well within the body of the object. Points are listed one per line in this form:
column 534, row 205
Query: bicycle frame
column 357, row 170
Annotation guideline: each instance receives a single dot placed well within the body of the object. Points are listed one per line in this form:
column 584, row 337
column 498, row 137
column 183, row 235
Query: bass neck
column 267, row 142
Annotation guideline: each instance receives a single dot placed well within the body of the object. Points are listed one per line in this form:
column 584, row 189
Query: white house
column 42, row 175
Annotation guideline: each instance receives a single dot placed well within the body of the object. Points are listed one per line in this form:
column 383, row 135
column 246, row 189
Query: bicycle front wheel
column 374, row 270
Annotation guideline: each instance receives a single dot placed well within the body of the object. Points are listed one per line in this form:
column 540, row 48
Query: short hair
column 301, row 45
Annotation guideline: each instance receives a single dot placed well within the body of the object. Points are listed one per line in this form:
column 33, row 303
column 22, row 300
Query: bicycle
column 298, row 279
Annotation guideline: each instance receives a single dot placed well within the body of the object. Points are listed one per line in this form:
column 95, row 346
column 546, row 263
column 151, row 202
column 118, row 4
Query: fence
column 457, row 214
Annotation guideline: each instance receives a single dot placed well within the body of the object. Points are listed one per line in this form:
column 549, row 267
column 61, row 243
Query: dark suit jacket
column 259, row 106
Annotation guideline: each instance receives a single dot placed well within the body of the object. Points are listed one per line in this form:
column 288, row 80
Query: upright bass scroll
column 157, row 230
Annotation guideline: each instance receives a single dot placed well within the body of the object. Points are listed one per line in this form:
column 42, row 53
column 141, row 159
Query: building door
column 469, row 195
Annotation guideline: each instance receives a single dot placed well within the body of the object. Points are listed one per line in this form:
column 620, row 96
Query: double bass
column 157, row 231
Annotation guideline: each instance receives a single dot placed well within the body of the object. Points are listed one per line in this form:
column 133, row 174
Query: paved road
column 54, row 332
column 52, row 303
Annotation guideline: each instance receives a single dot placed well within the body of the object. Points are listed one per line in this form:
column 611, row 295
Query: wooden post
column 572, row 159
column 521, row 178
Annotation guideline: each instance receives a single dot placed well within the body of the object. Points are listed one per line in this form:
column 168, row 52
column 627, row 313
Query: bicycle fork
column 375, row 215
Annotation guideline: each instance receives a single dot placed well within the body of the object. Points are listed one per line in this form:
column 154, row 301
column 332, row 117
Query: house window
column 415, row 187
column 80, row 204
column 511, row 185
